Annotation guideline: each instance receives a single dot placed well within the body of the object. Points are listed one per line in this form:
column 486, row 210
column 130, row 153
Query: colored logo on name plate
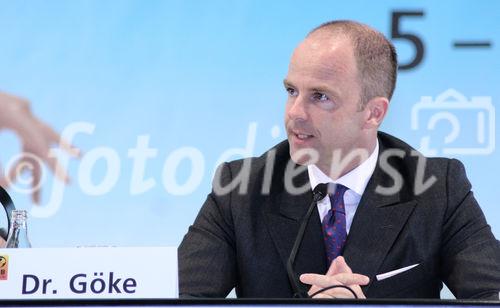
column 4, row 267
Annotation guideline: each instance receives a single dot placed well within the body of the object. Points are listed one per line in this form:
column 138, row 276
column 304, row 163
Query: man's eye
column 291, row 91
column 320, row 97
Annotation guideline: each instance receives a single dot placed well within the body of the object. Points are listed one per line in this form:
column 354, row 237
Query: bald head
column 375, row 56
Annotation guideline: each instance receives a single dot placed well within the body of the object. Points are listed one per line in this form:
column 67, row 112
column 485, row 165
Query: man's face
column 322, row 110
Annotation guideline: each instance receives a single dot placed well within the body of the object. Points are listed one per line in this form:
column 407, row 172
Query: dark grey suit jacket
column 243, row 240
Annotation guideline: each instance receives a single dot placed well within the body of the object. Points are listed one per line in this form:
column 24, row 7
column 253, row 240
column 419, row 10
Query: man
column 397, row 225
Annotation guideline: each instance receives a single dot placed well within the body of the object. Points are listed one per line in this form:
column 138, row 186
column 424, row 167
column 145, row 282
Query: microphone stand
column 319, row 193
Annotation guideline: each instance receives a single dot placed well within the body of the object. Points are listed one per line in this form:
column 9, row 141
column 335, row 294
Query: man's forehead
column 325, row 57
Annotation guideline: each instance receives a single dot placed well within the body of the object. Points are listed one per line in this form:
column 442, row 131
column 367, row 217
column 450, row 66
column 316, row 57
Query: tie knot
column 336, row 189
column 336, row 193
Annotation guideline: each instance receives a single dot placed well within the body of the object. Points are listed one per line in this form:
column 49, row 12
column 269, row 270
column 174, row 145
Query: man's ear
column 375, row 111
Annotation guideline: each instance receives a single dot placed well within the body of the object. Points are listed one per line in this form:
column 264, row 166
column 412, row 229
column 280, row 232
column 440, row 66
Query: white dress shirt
column 355, row 180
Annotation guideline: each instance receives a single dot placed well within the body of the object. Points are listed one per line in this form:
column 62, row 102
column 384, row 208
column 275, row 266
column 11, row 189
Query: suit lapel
column 283, row 215
column 378, row 221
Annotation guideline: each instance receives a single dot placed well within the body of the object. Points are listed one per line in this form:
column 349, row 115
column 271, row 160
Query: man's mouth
column 302, row 136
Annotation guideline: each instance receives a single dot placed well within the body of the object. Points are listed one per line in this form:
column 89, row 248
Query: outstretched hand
column 37, row 138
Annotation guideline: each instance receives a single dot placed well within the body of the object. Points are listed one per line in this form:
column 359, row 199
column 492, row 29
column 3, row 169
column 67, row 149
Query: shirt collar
column 356, row 179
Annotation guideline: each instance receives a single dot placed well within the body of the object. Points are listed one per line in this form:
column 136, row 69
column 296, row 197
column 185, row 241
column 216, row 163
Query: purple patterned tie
column 334, row 223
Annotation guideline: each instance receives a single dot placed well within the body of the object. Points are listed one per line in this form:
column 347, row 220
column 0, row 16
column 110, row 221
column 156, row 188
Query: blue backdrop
column 208, row 76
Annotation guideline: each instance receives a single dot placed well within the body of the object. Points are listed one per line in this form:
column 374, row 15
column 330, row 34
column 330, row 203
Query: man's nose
column 297, row 110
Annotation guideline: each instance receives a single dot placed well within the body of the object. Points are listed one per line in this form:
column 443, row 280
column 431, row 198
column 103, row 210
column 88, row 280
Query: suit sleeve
column 470, row 258
column 207, row 258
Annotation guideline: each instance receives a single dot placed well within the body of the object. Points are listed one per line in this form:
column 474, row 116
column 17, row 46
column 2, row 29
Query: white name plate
column 102, row 272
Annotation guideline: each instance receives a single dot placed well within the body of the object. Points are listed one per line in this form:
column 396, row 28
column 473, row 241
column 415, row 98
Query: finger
column 342, row 278
column 54, row 137
column 21, row 165
column 338, row 265
column 38, row 153
column 352, row 279
column 334, row 268
column 358, row 291
column 338, row 293
column 342, row 265
column 35, row 185
column 70, row 149
column 27, row 164
column 13, row 173
column 313, row 290
column 322, row 295
column 59, row 171
column 56, row 168
column 41, row 153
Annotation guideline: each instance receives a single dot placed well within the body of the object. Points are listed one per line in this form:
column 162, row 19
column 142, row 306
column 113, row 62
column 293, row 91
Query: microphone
column 319, row 192
column 8, row 206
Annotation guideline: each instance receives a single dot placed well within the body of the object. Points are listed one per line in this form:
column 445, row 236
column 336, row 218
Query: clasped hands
column 339, row 273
